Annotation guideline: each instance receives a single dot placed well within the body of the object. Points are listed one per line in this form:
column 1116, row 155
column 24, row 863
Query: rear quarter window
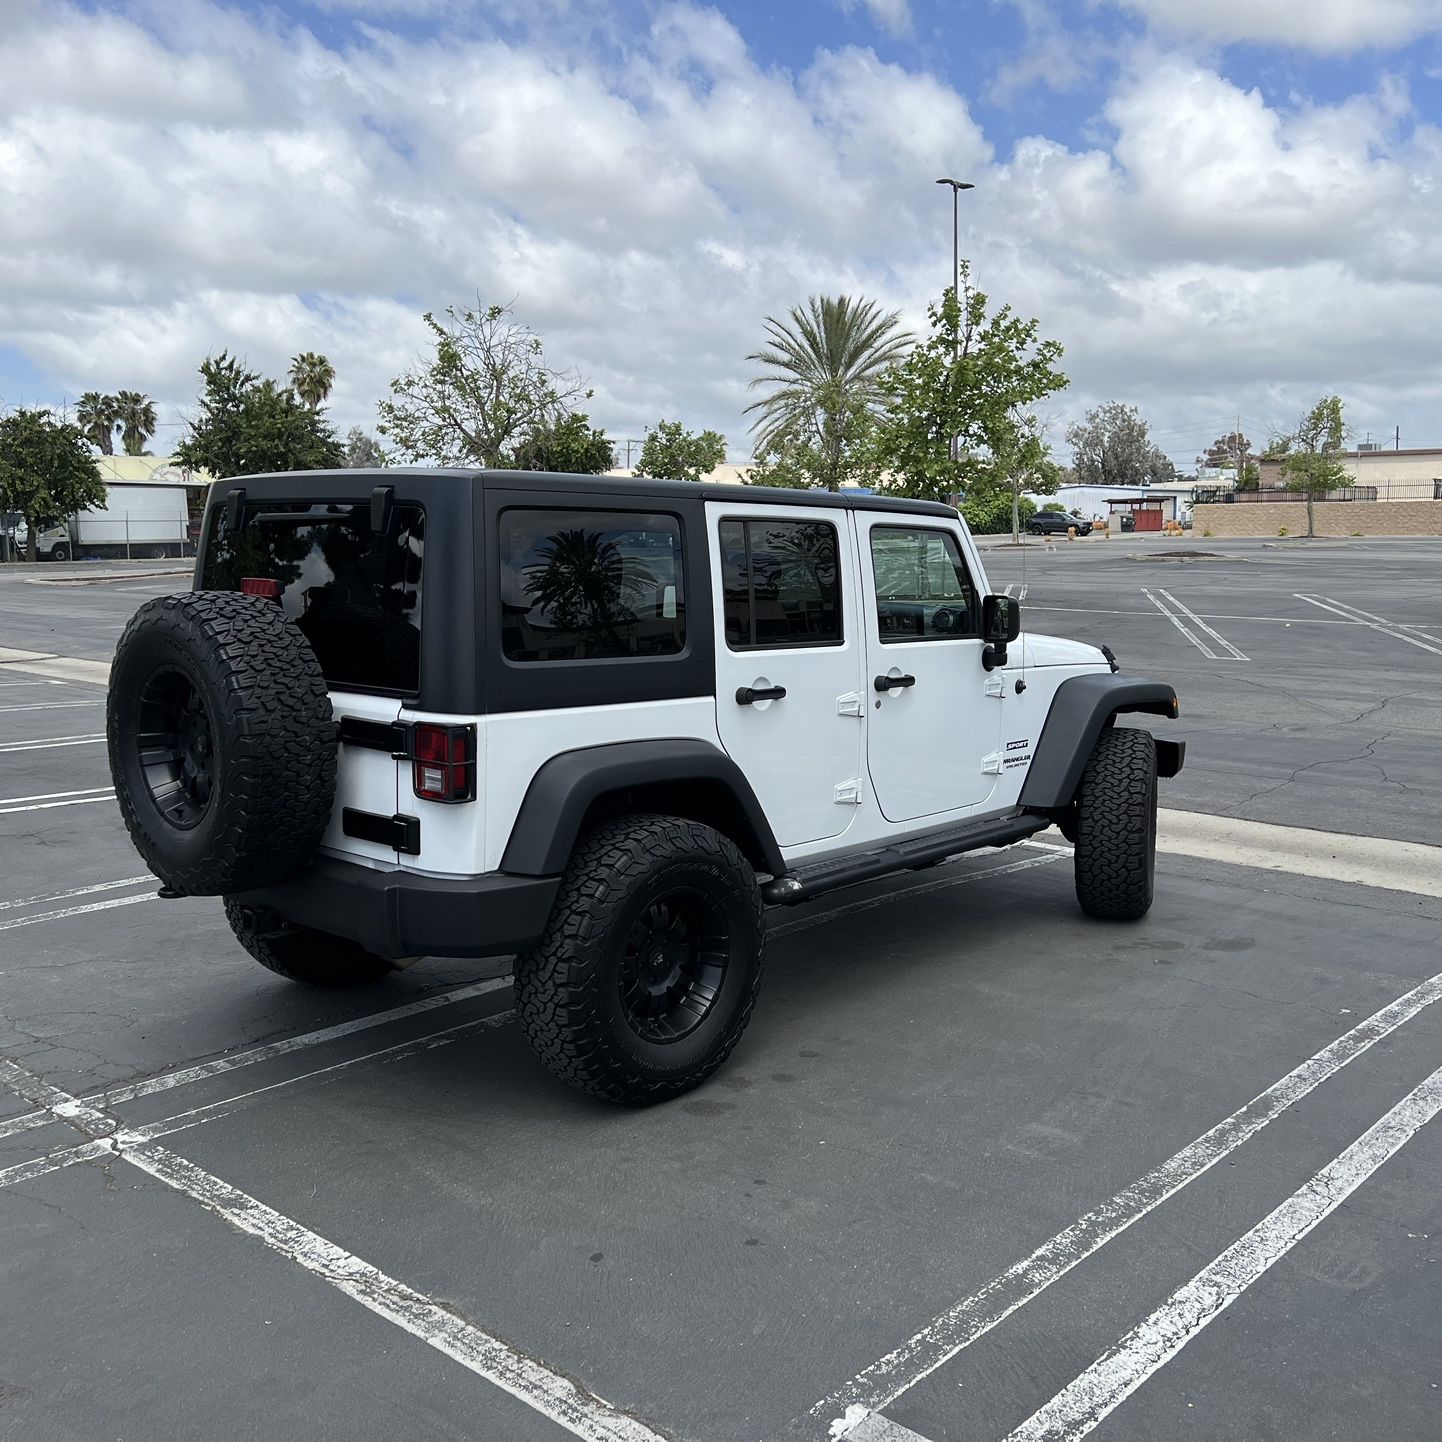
column 355, row 594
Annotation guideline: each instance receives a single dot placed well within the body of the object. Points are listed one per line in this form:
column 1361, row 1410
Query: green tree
column 361, row 450
column 802, row 459
column 248, row 426
column 97, row 416
column 486, row 387
column 569, row 444
column 311, row 378
column 135, row 414
column 46, row 471
column 673, row 452
column 957, row 417
column 1112, row 446
column 1311, row 464
column 1233, row 451
column 823, row 365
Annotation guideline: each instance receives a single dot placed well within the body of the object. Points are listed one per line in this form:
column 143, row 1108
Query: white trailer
column 137, row 521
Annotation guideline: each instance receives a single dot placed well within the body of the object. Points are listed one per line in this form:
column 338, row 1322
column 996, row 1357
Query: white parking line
column 1021, row 594
column 49, row 743
column 530, row 1381
column 1375, row 623
column 1192, row 616
column 77, row 891
column 95, row 793
column 16, row 685
column 1176, row 621
column 1149, row 1346
column 56, row 705
column 973, row 1317
column 65, row 911
column 167, row 1081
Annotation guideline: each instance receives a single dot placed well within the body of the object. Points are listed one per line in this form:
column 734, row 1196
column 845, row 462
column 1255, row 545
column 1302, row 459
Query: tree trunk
column 32, row 542
column 1311, row 518
column 1015, row 513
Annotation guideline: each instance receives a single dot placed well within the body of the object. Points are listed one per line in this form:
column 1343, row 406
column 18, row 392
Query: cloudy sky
column 1220, row 207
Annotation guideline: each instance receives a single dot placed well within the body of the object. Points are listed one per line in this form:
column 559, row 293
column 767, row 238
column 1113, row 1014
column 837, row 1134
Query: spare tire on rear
column 222, row 743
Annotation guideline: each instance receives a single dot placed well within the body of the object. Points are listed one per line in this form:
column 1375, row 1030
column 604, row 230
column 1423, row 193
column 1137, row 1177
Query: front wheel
column 1116, row 826
column 299, row 953
column 60, row 553
column 648, row 970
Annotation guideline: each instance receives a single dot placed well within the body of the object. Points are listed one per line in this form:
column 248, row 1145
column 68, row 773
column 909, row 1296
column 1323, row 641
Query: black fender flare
column 565, row 788
column 1081, row 709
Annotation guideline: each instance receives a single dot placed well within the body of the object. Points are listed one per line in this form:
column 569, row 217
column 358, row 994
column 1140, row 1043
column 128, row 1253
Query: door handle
column 893, row 683
column 745, row 695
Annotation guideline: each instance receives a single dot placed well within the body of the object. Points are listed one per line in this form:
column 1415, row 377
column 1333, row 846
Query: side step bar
column 807, row 882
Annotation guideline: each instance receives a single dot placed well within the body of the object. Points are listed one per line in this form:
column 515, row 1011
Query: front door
column 933, row 729
column 789, row 662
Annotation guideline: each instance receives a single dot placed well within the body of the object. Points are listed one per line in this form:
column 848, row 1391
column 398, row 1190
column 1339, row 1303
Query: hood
column 1032, row 649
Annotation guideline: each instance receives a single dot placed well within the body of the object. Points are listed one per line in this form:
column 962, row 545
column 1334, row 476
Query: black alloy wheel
column 176, row 743
column 673, row 964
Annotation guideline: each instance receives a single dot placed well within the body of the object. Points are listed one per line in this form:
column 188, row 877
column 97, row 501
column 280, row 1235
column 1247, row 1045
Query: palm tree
column 97, row 415
column 311, row 377
column 136, row 415
column 823, row 363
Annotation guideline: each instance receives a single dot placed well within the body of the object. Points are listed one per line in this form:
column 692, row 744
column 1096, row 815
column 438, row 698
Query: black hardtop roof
column 638, row 487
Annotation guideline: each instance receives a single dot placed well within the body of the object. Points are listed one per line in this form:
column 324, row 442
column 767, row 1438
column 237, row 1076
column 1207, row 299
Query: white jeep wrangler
column 600, row 724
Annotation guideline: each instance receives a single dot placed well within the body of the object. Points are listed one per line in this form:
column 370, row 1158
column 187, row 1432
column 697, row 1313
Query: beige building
column 1397, row 475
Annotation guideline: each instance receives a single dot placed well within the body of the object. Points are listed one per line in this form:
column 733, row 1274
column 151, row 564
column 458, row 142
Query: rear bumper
column 398, row 914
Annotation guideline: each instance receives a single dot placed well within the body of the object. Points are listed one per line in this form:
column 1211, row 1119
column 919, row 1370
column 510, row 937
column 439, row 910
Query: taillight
column 443, row 762
column 260, row 586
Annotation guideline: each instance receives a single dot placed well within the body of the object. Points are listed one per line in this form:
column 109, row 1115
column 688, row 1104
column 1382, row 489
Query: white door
column 933, row 729
column 789, row 662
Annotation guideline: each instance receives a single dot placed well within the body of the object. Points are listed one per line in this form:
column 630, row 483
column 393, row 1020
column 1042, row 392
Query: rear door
column 355, row 593
column 789, row 660
column 935, row 722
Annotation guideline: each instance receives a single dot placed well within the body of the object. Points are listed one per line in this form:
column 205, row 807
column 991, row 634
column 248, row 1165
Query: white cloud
column 1327, row 26
column 240, row 185
column 893, row 16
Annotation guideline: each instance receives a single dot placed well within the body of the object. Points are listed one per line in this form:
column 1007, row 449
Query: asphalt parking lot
column 980, row 1169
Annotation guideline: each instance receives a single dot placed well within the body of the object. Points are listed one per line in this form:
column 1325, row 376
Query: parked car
column 1051, row 523
column 600, row 724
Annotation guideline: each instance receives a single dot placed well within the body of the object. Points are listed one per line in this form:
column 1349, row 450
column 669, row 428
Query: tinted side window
column 781, row 584
column 923, row 592
column 354, row 595
column 590, row 585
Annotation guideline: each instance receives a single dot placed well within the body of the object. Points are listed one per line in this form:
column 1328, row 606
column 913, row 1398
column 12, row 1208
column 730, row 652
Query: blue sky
column 1220, row 207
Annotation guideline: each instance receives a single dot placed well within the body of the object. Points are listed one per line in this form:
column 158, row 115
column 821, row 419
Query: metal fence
column 1381, row 491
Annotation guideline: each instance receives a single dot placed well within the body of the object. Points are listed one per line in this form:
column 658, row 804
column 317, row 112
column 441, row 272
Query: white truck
column 137, row 522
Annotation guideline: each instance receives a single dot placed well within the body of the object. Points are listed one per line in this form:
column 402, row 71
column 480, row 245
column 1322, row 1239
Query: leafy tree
column 361, row 450
column 311, row 378
column 135, row 414
column 804, row 460
column 46, row 471
column 957, row 417
column 568, row 444
column 486, row 387
column 248, row 425
column 1112, row 446
column 1233, row 451
column 671, row 451
column 97, row 416
column 823, row 364
column 1310, row 454
column 994, row 515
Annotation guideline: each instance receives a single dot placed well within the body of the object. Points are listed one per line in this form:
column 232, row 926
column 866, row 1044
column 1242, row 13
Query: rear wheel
column 298, row 953
column 648, row 971
column 1116, row 826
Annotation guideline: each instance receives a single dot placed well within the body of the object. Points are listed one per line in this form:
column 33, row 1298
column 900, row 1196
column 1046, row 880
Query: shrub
column 992, row 516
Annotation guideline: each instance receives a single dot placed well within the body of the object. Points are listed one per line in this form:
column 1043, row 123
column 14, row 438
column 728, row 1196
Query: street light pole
column 957, row 186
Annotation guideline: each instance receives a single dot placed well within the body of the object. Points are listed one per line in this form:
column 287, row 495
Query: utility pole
column 957, row 186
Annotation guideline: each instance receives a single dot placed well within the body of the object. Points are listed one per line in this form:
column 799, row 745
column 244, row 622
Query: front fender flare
column 1081, row 709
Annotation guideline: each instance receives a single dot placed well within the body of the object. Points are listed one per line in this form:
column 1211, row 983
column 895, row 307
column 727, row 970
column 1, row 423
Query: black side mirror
column 1000, row 625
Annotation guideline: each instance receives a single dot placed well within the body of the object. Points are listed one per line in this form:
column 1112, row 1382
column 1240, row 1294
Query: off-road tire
column 298, row 953
column 569, row 989
column 1116, row 826
column 271, row 744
